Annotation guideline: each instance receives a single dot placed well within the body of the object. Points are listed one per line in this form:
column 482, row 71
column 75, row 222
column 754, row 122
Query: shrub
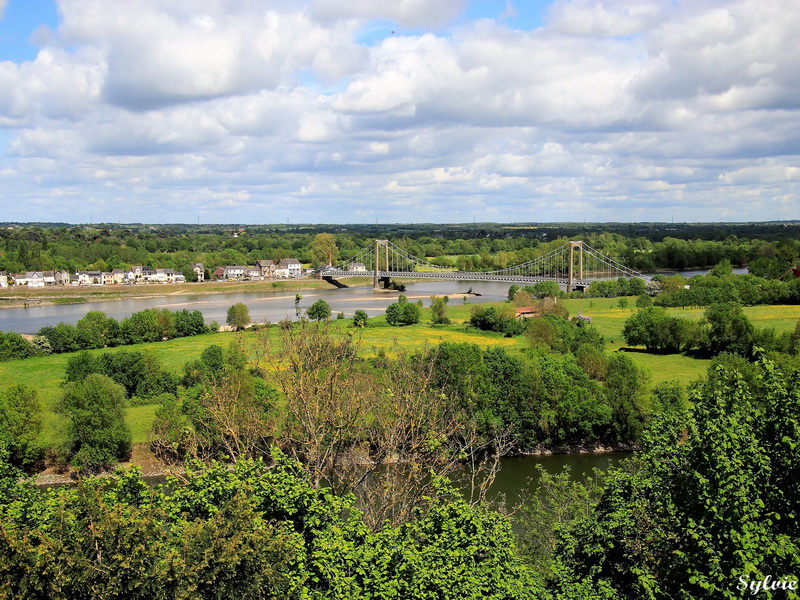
column 96, row 433
column 238, row 316
column 319, row 311
column 360, row 318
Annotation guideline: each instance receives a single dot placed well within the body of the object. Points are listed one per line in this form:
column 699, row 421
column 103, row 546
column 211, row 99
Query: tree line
column 707, row 509
column 769, row 251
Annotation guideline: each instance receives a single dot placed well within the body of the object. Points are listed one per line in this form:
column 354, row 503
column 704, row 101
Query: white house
column 289, row 267
column 234, row 272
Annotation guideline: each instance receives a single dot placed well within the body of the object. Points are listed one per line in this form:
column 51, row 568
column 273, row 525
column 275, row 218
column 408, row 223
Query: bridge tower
column 571, row 275
column 376, row 279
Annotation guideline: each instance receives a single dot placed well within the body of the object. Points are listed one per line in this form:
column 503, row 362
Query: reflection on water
column 519, row 475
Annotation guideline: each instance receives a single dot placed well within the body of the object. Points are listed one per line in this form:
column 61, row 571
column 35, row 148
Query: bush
column 14, row 346
column 360, row 318
column 96, row 433
column 319, row 311
column 403, row 312
column 439, row 310
column 502, row 320
column 238, row 316
column 21, row 426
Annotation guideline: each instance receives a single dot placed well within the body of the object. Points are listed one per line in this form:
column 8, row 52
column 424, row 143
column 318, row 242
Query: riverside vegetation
column 319, row 466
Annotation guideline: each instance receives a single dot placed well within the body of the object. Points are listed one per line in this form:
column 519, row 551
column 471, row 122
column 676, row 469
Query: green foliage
column 238, row 316
column 566, row 406
column 729, row 329
column 709, row 502
column 324, row 250
column 96, row 433
column 139, row 373
column 246, row 531
column 319, row 311
column 96, row 330
column 13, row 346
column 450, row 549
column 360, row 318
column 654, row 329
column 439, row 310
column 403, row 312
column 501, row 319
column 562, row 335
column 21, row 426
column 625, row 391
column 544, row 289
column 558, row 500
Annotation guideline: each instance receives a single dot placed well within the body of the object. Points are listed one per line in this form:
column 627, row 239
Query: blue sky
column 399, row 110
column 21, row 20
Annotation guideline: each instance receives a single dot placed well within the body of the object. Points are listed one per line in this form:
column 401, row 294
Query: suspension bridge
column 575, row 265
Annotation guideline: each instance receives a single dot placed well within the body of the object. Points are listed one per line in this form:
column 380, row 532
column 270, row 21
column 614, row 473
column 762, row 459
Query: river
column 264, row 306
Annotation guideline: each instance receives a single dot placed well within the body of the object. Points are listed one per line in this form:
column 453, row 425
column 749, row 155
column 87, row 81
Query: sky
column 399, row 111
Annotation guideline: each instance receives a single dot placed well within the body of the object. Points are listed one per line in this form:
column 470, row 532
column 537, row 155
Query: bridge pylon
column 571, row 272
column 376, row 279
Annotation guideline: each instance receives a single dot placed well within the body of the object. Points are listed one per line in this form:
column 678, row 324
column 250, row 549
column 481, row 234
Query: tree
column 710, row 499
column 238, row 316
column 96, row 433
column 543, row 289
column 21, row 426
column 319, row 311
column 439, row 310
column 324, row 250
column 512, row 291
column 13, row 346
column 360, row 318
column 625, row 388
column 654, row 329
column 297, row 298
column 402, row 312
column 729, row 329
column 96, row 330
column 622, row 303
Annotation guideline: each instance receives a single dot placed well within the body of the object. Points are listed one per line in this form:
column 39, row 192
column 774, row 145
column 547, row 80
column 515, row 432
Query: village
column 263, row 270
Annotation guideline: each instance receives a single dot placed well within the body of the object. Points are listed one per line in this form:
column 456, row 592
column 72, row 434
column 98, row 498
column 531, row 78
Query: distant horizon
column 365, row 224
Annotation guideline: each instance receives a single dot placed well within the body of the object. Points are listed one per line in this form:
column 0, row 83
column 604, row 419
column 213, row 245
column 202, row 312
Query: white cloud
column 613, row 110
column 617, row 18
column 412, row 13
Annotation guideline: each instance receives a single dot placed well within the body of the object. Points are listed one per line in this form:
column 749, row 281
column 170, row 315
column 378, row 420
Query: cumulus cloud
column 619, row 110
column 157, row 55
column 411, row 13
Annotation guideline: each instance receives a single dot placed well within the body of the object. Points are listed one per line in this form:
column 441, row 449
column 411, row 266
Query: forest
column 772, row 248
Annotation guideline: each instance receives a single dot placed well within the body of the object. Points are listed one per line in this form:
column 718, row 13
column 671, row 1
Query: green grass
column 610, row 319
column 139, row 419
column 46, row 373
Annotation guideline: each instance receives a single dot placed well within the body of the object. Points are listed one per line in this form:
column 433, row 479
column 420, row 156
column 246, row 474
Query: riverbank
column 150, row 465
column 28, row 297
column 141, row 457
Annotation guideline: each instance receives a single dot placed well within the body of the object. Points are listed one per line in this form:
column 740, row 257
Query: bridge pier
column 381, row 283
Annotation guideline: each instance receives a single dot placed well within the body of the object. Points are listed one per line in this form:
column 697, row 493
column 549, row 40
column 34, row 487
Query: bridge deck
column 458, row 276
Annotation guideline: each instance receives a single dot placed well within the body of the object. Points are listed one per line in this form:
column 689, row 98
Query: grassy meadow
column 46, row 373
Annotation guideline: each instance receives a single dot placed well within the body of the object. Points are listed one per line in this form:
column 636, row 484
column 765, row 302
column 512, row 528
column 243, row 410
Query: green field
column 46, row 373
column 609, row 320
